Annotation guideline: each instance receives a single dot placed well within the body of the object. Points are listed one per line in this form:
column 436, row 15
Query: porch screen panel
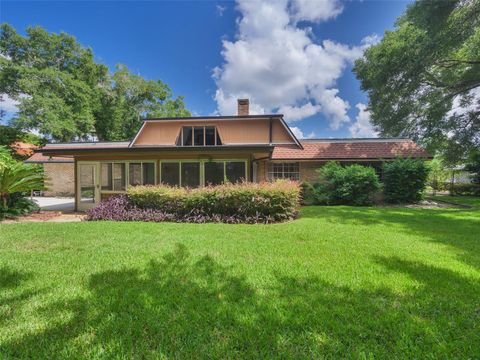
column 191, row 174
column 235, row 171
column 214, row 173
column 148, row 173
column 119, row 177
column 170, row 173
column 135, row 174
column 106, row 175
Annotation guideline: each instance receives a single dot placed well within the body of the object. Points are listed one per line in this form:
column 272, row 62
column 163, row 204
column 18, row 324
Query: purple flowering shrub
column 232, row 203
column 120, row 208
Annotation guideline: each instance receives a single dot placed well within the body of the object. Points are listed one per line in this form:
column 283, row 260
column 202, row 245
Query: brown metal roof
column 39, row 158
column 351, row 149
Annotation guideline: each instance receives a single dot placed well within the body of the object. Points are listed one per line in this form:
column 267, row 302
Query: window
column 210, row 136
column 114, row 175
column 284, row 171
column 235, row 171
column 119, row 177
column 148, row 173
column 214, row 173
column 198, row 136
column 135, row 174
column 141, row 173
column 170, row 173
column 189, row 173
column 106, row 175
column 187, row 133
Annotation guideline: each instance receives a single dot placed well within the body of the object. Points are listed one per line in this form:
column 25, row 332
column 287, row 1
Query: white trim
column 96, row 186
column 136, row 136
column 282, row 121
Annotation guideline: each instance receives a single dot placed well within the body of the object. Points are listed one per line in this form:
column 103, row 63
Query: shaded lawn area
column 339, row 282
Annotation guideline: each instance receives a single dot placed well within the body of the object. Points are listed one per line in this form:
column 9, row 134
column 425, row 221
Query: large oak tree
column 65, row 95
column 423, row 78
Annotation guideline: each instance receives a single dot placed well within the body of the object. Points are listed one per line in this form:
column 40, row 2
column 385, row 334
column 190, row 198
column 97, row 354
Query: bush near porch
column 404, row 181
column 230, row 203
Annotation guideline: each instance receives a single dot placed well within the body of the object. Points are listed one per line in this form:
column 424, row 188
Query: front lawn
column 340, row 282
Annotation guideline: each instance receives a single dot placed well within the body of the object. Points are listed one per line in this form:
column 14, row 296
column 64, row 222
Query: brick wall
column 308, row 170
column 61, row 180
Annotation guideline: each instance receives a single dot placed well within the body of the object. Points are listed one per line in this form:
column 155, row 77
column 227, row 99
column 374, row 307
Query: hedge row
column 231, row 203
column 404, row 181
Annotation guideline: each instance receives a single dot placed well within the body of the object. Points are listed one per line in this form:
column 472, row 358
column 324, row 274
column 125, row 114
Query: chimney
column 243, row 105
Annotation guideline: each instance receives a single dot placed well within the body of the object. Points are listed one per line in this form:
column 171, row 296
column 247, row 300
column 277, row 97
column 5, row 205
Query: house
column 198, row 151
column 60, row 173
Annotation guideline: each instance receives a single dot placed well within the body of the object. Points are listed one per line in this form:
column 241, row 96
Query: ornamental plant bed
column 230, row 203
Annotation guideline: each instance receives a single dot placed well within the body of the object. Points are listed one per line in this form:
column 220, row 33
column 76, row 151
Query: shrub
column 17, row 205
column 231, row 203
column 308, row 193
column 404, row 180
column 465, row 189
column 353, row 184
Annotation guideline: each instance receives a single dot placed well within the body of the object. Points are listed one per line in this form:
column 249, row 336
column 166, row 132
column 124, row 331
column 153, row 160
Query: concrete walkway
column 55, row 203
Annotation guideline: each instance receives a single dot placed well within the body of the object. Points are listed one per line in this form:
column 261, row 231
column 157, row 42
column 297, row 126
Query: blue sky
column 291, row 56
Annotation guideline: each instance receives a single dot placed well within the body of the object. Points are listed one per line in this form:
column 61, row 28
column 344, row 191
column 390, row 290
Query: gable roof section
column 231, row 135
column 350, row 149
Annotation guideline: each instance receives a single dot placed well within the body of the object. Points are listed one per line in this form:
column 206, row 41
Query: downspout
column 270, row 131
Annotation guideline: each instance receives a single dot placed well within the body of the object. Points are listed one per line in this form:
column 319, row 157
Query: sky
column 293, row 57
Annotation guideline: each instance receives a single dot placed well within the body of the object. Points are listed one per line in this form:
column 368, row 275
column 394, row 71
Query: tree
column 473, row 166
column 438, row 174
column 17, row 177
column 128, row 99
column 65, row 95
column 423, row 78
column 55, row 80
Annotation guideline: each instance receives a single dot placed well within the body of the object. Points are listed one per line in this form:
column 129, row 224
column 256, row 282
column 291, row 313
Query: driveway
column 55, row 203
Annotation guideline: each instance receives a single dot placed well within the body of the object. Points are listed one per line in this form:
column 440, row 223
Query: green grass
column 340, row 282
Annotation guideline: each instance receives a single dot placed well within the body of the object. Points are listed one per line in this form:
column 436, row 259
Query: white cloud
column 315, row 11
column 294, row 113
column 220, row 9
column 8, row 104
column 372, row 39
column 299, row 133
column 362, row 127
column 280, row 67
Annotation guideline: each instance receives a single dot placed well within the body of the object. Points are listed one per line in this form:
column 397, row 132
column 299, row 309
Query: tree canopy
column 423, row 78
column 65, row 95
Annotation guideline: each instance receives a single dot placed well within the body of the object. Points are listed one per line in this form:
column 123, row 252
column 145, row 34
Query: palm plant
column 17, row 177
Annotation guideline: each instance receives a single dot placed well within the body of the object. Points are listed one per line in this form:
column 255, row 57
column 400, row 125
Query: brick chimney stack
column 243, row 107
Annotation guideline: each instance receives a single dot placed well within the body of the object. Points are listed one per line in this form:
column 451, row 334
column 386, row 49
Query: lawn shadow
column 10, row 278
column 180, row 307
column 10, row 295
column 459, row 228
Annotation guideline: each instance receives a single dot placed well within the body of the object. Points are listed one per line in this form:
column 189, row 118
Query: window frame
column 217, row 137
column 271, row 172
column 202, row 168
column 127, row 173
